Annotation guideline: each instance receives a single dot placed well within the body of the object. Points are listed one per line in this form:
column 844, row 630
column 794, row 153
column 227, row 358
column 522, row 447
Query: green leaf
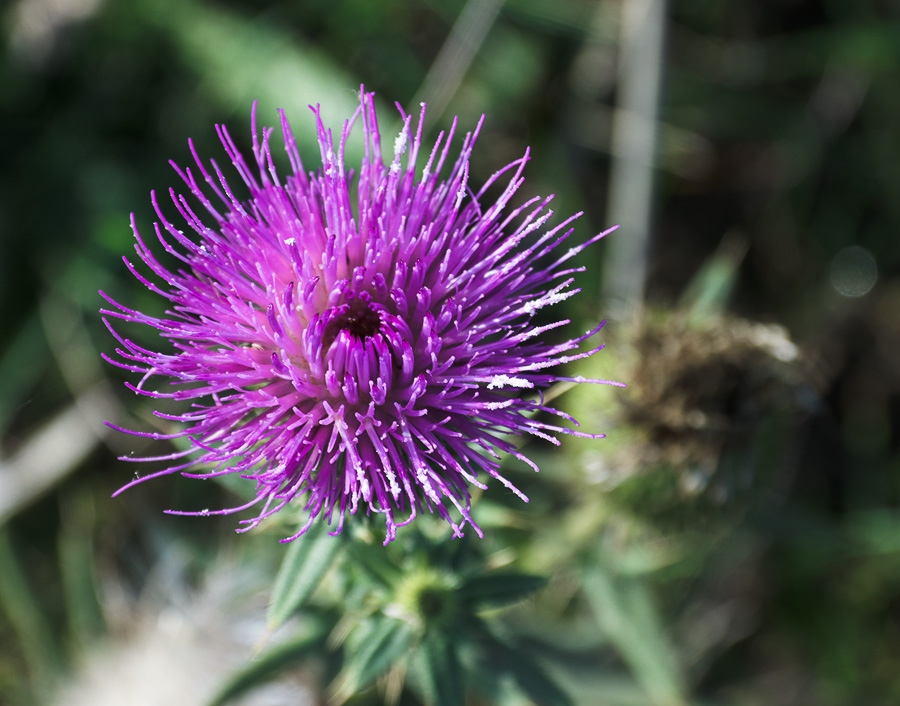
column 534, row 681
column 242, row 58
column 439, row 673
column 39, row 645
column 304, row 565
column 383, row 653
column 374, row 561
column 626, row 613
column 708, row 292
column 529, row 676
column 497, row 589
column 78, row 566
column 26, row 353
column 384, row 643
column 273, row 662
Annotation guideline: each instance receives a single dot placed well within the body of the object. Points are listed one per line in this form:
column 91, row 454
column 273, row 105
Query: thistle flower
column 344, row 356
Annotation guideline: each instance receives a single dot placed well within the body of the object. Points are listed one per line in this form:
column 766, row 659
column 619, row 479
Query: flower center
column 357, row 318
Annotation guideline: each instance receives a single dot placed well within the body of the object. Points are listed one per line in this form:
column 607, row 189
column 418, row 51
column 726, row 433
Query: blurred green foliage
column 736, row 538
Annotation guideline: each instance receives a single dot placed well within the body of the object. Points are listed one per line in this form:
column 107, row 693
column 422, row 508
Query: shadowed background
column 749, row 485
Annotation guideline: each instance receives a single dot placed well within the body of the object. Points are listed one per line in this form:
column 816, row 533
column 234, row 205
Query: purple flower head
column 344, row 355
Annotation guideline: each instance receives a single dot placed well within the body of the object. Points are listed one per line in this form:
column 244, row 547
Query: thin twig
column 634, row 138
column 455, row 56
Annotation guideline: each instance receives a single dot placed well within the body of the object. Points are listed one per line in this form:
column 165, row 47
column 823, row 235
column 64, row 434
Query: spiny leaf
column 627, row 616
column 304, row 565
column 374, row 562
column 273, row 662
column 529, row 676
column 36, row 639
column 438, row 671
column 385, row 642
column 497, row 589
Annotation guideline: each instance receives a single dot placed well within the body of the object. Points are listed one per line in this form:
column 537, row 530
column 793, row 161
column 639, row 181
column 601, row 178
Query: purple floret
column 344, row 356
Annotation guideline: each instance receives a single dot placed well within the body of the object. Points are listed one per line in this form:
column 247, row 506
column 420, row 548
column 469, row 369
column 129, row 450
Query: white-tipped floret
column 400, row 142
column 508, row 381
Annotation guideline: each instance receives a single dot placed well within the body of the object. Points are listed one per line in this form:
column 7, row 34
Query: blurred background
column 736, row 538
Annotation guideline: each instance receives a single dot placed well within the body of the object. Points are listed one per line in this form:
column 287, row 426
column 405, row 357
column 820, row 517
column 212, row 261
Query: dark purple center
column 357, row 319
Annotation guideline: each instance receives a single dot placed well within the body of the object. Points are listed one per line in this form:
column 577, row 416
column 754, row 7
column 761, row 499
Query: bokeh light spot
column 853, row 271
